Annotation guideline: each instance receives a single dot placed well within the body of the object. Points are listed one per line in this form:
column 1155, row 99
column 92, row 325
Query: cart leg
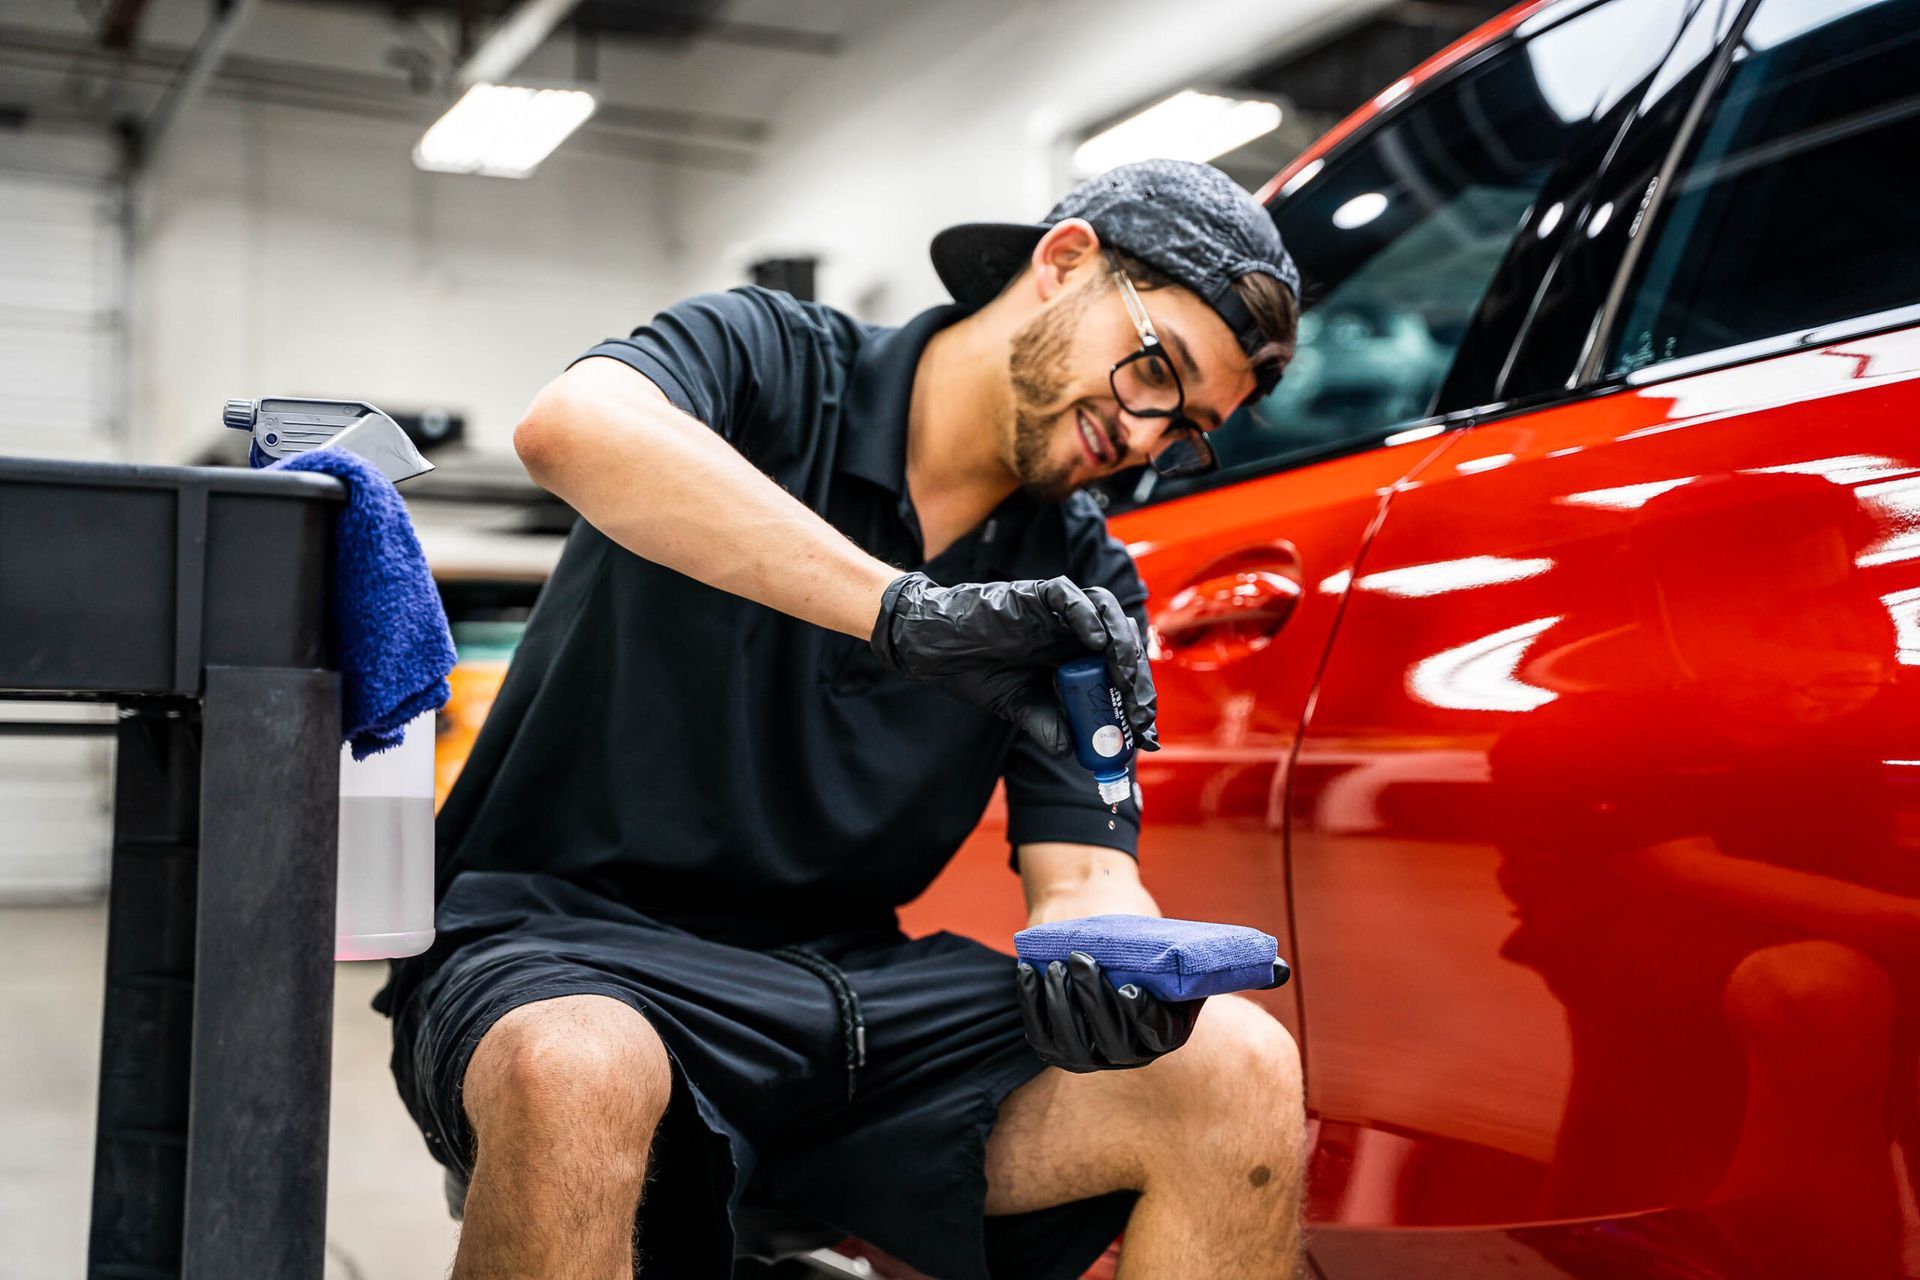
column 256, row 1184
column 140, row 1142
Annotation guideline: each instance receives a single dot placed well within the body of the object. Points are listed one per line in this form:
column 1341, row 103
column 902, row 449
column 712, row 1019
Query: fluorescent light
column 502, row 131
column 1188, row 126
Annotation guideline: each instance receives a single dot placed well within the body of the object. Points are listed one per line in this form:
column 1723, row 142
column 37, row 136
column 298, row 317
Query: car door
column 1604, row 827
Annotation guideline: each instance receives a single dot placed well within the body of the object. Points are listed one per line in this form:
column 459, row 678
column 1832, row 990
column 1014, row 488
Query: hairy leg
column 563, row 1097
column 1211, row 1136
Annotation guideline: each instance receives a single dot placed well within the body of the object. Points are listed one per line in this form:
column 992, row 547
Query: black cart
column 193, row 598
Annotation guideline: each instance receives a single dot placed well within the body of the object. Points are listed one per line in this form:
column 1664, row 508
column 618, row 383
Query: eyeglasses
column 1147, row 386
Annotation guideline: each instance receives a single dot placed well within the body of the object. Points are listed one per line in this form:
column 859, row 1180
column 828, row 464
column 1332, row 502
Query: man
column 668, row 972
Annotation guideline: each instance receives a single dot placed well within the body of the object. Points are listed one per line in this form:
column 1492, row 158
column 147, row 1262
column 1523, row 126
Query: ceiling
column 688, row 82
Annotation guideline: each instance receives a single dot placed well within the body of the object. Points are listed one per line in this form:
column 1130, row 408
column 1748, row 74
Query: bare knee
column 1240, row 1068
column 1246, row 1042
column 576, row 1078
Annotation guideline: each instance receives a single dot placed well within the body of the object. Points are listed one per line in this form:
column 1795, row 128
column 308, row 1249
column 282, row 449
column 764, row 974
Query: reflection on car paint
column 1481, row 675
column 1443, row 576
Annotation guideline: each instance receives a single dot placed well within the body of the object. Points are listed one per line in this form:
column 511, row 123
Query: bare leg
column 1212, row 1135
column 563, row 1096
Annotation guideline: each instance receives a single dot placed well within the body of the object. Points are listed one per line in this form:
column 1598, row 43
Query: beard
column 1039, row 365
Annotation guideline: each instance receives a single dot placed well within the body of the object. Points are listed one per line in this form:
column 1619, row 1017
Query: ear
column 1065, row 256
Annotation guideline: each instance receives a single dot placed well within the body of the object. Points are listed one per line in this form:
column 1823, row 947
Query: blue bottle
column 1102, row 738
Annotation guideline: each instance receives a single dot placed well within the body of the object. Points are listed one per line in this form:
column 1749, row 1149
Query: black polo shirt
column 719, row 764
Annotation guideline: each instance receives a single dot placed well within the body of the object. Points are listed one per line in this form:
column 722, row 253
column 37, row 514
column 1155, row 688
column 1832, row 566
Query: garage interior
column 203, row 200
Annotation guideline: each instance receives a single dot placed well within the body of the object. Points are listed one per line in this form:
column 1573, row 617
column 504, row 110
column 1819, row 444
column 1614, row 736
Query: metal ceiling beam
column 514, row 40
column 694, row 140
column 270, row 80
column 760, row 35
column 201, row 64
column 120, row 23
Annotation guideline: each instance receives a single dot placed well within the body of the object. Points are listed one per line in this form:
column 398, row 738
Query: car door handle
column 1223, row 618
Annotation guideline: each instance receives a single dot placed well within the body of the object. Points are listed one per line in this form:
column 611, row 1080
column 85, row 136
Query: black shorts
column 763, row 1064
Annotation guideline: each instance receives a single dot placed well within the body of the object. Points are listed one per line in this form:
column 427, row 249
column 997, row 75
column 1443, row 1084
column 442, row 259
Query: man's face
column 1068, row 429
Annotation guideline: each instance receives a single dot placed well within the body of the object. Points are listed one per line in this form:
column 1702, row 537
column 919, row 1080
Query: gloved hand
column 1076, row 1019
column 996, row 644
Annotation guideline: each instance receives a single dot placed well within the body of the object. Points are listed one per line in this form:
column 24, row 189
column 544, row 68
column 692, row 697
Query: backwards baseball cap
column 1189, row 221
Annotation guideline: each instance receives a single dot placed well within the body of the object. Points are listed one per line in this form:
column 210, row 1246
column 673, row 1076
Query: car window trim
column 1575, row 254
column 1889, row 321
column 1552, row 248
column 1591, row 367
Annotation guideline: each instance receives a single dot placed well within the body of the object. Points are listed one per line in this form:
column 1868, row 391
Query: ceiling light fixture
column 1188, row 126
column 502, row 131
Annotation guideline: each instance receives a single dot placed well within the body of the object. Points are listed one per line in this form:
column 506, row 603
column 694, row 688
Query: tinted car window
column 1794, row 205
column 1398, row 237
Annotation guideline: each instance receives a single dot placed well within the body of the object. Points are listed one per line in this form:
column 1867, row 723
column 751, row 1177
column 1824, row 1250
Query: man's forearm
column 1064, row 880
column 1092, row 900
column 669, row 489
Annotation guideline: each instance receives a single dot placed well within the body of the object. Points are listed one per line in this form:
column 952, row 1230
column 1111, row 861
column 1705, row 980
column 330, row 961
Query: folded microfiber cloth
column 1170, row 959
column 384, row 621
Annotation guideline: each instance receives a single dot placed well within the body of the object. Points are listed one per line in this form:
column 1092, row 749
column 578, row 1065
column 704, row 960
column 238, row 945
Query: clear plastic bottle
column 386, row 849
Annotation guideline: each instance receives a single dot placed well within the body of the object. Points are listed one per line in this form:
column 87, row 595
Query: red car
column 1543, row 666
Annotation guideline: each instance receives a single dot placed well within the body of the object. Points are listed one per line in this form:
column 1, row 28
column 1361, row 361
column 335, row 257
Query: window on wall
column 1796, row 204
column 1398, row 238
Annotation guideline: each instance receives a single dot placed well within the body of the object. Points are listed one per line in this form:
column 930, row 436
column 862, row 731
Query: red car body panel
column 1604, row 829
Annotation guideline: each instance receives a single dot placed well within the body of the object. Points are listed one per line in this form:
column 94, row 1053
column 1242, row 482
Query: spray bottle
column 384, row 907
column 1102, row 738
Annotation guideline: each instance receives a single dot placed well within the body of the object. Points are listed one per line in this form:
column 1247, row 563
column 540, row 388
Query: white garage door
column 61, row 307
column 61, row 295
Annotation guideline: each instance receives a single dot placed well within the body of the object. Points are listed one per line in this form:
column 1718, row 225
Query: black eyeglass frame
column 1197, row 457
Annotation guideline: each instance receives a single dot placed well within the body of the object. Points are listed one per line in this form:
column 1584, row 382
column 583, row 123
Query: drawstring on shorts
column 852, row 1027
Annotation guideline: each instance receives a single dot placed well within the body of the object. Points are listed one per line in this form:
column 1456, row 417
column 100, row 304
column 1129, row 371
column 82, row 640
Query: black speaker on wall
column 791, row 275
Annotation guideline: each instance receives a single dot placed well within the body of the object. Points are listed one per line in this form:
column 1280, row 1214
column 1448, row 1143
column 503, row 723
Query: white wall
column 293, row 252
column 959, row 111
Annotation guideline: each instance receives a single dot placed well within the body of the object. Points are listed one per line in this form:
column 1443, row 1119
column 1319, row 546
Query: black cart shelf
column 193, row 598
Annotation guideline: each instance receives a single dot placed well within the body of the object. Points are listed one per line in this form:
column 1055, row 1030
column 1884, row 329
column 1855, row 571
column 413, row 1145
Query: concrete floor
column 386, row 1218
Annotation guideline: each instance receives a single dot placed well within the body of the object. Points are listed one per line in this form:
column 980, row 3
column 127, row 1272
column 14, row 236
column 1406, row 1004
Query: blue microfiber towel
column 1170, row 959
column 384, row 620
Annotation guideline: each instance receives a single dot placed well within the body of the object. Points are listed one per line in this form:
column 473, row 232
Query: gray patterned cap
column 1190, row 221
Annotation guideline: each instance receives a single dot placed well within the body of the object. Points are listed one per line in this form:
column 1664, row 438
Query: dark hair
column 1270, row 303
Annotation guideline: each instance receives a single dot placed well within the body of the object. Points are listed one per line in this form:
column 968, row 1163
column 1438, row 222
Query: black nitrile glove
column 1077, row 1020
column 996, row 645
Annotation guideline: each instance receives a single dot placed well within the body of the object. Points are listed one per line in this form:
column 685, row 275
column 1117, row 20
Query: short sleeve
column 737, row 361
column 1053, row 797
